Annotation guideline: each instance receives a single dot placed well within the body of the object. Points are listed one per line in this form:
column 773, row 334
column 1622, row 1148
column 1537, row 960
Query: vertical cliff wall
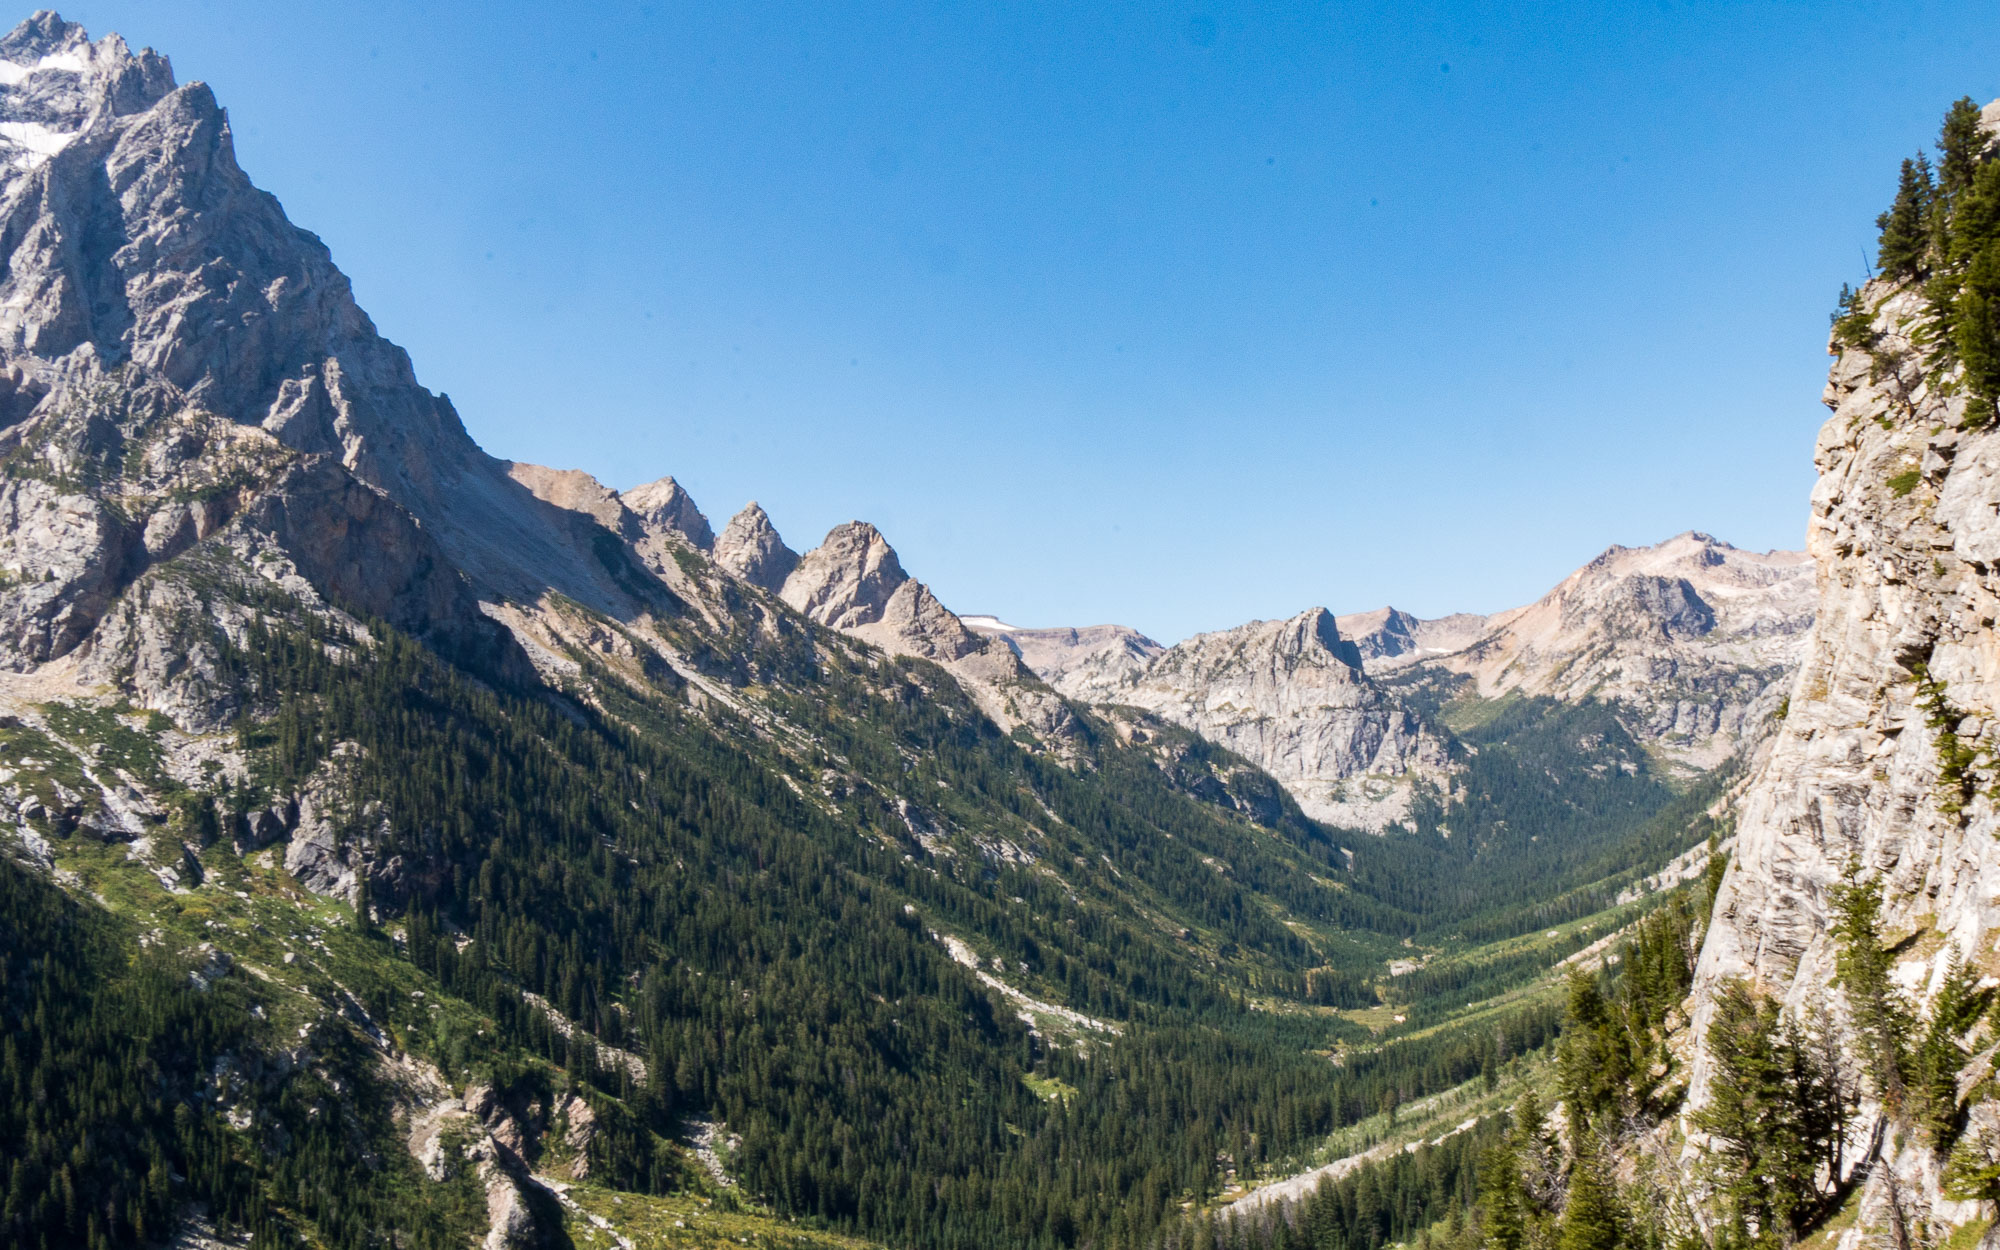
column 1901, row 673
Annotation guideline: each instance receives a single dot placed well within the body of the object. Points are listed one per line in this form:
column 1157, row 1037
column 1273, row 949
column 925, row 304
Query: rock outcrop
column 664, row 505
column 749, row 547
column 1291, row 697
column 1885, row 756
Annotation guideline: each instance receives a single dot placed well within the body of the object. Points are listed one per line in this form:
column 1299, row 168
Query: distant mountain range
column 1690, row 639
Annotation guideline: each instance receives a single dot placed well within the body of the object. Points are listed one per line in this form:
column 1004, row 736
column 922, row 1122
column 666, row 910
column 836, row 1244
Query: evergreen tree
column 1905, row 228
column 1594, row 1058
column 1505, row 1201
column 1861, row 969
column 1940, row 1058
column 1592, row 1218
column 1975, row 324
column 1961, row 142
column 1774, row 1115
column 1972, row 1172
column 1960, row 145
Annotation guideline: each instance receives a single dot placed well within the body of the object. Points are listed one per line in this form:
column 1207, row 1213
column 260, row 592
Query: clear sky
column 1172, row 315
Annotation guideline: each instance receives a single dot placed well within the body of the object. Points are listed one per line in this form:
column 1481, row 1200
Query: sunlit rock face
column 1905, row 539
column 1691, row 639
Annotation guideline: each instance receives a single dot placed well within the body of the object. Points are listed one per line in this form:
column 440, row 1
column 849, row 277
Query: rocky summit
column 1691, row 638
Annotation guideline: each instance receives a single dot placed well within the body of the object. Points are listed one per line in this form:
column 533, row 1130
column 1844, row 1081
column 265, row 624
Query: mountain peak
column 665, row 503
column 60, row 83
column 750, row 547
column 41, row 35
column 848, row 579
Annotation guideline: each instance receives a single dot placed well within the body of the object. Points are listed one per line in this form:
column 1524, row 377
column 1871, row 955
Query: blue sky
column 1171, row 315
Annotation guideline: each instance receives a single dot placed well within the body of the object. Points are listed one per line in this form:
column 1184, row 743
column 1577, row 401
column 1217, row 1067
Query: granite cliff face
column 1291, row 695
column 1905, row 536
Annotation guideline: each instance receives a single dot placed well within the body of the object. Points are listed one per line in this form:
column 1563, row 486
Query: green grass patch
column 1048, row 1088
column 686, row 1220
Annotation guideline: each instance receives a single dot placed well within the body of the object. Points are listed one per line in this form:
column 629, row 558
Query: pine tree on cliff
column 1964, row 225
column 1961, row 142
column 1774, row 1114
column 1975, row 324
column 1939, row 1058
column 1591, row 1218
column 1861, row 969
column 1905, row 240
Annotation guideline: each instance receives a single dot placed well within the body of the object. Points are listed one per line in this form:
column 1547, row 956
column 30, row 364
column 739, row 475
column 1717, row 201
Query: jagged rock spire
column 848, row 579
column 666, row 504
column 750, row 548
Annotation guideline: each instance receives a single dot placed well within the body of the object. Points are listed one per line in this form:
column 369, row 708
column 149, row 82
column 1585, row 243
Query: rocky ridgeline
column 179, row 362
column 853, row 582
column 1390, row 638
column 1290, row 696
column 1691, row 639
column 1873, row 766
column 181, row 365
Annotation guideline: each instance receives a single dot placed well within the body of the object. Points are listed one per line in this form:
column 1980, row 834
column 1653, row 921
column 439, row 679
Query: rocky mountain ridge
column 1390, row 638
column 1691, row 639
column 1289, row 695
